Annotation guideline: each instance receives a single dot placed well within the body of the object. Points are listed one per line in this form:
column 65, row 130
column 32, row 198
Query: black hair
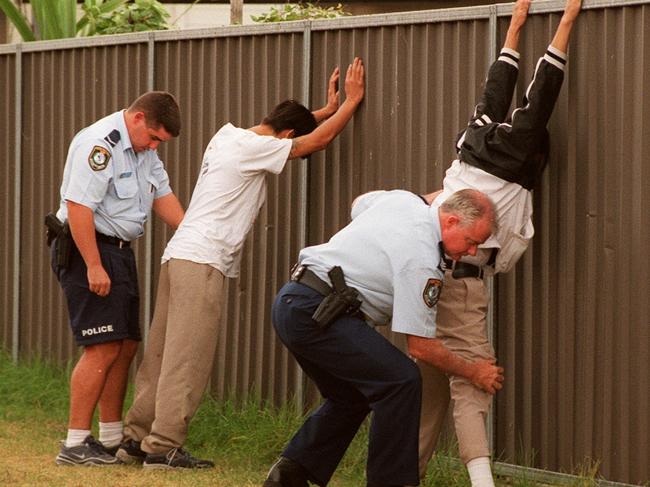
column 293, row 116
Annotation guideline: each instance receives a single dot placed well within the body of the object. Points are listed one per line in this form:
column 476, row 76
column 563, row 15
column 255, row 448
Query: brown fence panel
column 7, row 199
column 574, row 319
column 63, row 91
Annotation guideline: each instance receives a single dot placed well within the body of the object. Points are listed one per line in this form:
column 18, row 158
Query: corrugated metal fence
column 571, row 323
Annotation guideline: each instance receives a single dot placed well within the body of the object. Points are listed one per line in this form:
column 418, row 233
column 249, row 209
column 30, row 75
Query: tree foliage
column 136, row 16
column 300, row 11
column 57, row 19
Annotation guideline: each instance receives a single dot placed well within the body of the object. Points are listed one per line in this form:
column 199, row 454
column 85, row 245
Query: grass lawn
column 243, row 441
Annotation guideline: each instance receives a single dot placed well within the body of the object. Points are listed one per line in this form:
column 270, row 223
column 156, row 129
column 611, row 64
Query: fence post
column 18, row 120
column 304, row 184
column 236, row 12
column 148, row 230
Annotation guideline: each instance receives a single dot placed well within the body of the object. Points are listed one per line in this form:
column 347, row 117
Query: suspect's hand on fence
column 355, row 81
column 519, row 14
column 333, row 91
column 488, row 376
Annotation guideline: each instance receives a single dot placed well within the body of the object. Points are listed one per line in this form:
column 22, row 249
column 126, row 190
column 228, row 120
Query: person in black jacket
column 504, row 158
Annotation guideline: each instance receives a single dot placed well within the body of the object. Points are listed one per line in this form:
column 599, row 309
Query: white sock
column 76, row 437
column 480, row 473
column 110, row 434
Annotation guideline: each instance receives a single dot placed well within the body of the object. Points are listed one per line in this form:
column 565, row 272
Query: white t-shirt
column 227, row 198
column 514, row 211
column 390, row 254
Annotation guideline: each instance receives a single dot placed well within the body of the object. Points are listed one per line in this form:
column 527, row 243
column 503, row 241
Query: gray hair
column 470, row 205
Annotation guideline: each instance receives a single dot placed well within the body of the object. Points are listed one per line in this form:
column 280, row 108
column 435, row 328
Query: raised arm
column 543, row 91
column 495, row 100
column 517, row 21
column 330, row 128
column 561, row 39
column 332, row 98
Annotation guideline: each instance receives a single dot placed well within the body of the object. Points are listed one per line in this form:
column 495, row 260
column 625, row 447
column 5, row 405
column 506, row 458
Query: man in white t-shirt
column 206, row 249
column 505, row 160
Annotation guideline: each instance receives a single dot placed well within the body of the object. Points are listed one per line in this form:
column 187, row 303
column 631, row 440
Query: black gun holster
column 342, row 300
column 59, row 233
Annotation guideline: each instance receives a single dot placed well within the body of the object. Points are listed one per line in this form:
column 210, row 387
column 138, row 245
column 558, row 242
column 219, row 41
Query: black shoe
column 110, row 450
column 129, row 452
column 175, row 458
column 90, row 452
column 286, row 473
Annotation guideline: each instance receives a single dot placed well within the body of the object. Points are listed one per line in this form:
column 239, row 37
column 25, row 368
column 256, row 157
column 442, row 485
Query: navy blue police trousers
column 357, row 371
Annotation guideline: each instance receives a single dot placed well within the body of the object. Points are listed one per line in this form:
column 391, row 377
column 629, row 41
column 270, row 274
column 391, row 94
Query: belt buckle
column 122, row 243
column 297, row 271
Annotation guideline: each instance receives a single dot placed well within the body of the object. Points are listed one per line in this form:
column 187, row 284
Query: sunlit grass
column 243, row 439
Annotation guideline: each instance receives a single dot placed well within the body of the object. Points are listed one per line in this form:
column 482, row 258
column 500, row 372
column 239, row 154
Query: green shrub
column 300, row 11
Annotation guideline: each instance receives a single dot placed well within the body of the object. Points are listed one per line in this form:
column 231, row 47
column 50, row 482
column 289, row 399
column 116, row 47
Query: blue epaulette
column 113, row 138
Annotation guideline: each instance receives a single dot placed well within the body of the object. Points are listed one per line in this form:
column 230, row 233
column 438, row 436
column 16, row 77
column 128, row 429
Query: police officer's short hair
column 471, row 205
column 159, row 108
column 293, row 116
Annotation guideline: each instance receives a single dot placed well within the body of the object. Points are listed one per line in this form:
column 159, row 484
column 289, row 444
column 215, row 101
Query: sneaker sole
column 164, row 466
column 88, row 462
column 159, row 466
column 127, row 459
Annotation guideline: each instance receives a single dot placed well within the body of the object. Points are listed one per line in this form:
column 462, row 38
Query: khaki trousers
column 178, row 356
column 461, row 324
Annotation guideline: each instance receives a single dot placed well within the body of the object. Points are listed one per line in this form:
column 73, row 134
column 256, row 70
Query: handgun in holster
column 59, row 233
column 342, row 300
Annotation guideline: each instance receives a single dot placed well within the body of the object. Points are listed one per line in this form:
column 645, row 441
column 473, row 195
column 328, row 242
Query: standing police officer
column 111, row 181
column 385, row 265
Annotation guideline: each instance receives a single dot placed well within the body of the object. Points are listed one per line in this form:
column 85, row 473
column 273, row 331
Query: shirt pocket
column 126, row 188
column 512, row 248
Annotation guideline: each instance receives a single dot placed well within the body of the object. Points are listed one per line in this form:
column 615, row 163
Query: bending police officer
column 390, row 258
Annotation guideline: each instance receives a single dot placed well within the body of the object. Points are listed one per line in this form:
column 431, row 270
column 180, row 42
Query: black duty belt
column 460, row 270
column 112, row 240
column 304, row 276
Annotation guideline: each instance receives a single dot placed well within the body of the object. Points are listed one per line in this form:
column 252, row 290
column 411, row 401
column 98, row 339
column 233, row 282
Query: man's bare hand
column 98, row 281
column 487, row 376
column 519, row 14
column 333, row 92
column 355, row 81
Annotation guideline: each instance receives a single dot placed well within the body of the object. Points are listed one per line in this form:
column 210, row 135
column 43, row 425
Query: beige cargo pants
column 461, row 324
column 178, row 356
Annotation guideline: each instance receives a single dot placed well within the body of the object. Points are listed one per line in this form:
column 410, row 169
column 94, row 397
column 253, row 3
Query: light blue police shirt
column 104, row 173
column 389, row 252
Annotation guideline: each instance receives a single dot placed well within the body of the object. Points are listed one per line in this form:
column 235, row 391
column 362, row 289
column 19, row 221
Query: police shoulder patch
column 431, row 292
column 98, row 158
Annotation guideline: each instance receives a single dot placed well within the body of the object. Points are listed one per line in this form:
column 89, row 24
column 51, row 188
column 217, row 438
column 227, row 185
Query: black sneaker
column 90, row 452
column 286, row 473
column 175, row 458
column 129, row 452
column 110, row 450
